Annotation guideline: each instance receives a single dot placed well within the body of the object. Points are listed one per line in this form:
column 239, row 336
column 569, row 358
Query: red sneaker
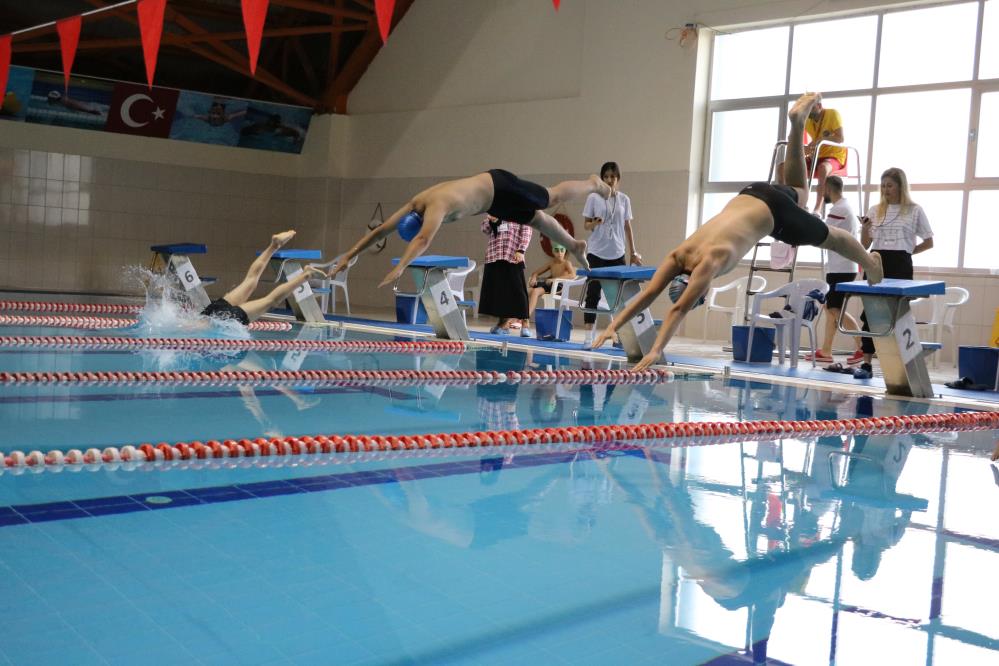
column 855, row 358
column 820, row 357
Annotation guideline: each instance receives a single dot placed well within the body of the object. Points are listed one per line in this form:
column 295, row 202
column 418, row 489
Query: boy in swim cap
column 759, row 210
column 497, row 192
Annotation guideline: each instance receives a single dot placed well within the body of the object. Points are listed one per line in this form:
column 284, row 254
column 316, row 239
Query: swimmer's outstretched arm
column 370, row 238
column 433, row 217
column 667, row 270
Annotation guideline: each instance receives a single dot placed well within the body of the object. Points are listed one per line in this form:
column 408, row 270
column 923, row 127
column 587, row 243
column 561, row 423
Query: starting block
column 286, row 264
column 620, row 284
column 173, row 259
column 893, row 328
column 443, row 309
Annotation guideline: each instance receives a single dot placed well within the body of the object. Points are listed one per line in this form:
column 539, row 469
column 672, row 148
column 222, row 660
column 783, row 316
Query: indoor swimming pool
column 842, row 548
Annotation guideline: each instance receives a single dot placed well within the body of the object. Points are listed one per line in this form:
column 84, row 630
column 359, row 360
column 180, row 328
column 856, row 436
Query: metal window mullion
column 874, row 112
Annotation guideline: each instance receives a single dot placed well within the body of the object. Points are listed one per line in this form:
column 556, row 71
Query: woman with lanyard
column 891, row 228
column 609, row 221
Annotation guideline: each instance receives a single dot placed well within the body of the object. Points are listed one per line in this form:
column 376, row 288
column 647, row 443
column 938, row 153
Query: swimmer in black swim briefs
column 497, row 192
column 720, row 243
column 237, row 304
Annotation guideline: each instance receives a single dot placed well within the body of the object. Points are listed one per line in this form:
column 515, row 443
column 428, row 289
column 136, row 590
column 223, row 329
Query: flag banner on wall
column 4, row 65
column 42, row 97
column 556, row 3
column 142, row 111
column 151, row 30
column 254, row 16
column 69, row 39
column 383, row 11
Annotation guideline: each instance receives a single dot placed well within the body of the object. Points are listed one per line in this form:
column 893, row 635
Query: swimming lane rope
column 94, row 323
column 649, row 434
column 336, row 377
column 231, row 344
column 79, row 308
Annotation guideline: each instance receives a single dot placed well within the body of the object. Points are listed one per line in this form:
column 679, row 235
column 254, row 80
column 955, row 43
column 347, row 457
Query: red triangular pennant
column 151, row 29
column 556, row 3
column 384, row 10
column 69, row 38
column 4, row 65
column 254, row 15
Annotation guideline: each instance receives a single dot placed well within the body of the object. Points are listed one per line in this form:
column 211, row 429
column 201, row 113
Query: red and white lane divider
column 93, row 323
column 230, row 344
column 656, row 434
column 337, row 377
column 79, row 308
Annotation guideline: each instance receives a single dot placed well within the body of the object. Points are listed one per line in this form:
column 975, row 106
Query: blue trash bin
column 763, row 344
column 544, row 324
column 979, row 363
column 404, row 310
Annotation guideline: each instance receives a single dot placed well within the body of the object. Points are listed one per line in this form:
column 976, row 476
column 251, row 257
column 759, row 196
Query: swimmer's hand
column 648, row 361
column 995, row 454
column 599, row 341
column 392, row 277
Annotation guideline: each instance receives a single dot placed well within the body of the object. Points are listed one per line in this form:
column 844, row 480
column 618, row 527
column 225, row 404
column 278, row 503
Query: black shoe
column 865, row 371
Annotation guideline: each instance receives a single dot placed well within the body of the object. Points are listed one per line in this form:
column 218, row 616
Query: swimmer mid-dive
column 497, row 192
column 759, row 210
column 236, row 304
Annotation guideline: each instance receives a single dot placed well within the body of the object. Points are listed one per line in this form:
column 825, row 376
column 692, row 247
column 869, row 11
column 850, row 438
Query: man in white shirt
column 838, row 269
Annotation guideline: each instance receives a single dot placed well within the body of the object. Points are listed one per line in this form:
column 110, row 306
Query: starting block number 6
column 909, row 346
column 187, row 275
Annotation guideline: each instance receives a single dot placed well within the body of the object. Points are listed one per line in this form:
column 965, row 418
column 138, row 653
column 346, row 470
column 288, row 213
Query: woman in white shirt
column 896, row 228
column 609, row 223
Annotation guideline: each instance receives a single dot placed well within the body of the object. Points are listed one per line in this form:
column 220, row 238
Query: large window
column 916, row 88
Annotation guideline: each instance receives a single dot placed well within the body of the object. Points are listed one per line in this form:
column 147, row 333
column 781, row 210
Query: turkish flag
column 136, row 109
column 254, row 15
column 384, row 10
column 556, row 3
column 69, row 38
column 151, row 29
column 4, row 65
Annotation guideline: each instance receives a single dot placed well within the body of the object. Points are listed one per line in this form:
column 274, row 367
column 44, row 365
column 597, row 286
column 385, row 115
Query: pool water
column 850, row 550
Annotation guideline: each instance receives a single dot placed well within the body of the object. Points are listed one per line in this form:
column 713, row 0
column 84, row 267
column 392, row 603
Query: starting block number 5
column 302, row 291
column 906, row 337
column 187, row 275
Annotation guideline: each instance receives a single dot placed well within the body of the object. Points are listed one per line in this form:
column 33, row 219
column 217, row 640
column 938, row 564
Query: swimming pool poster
column 208, row 119
column 14, row 104
column 141, row 110
column 84, row 104
column 40, row 96
column 274, row 127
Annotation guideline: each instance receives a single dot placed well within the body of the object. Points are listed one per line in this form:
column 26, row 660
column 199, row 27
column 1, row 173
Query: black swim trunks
column 792, row 223
column 223, row 309
column 515, row 199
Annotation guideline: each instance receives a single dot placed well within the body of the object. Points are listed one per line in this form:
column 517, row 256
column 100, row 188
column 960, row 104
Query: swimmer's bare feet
column 875, row 272
column 578, row 250
column 278, row 240
column 799, row 112
column 600, row 187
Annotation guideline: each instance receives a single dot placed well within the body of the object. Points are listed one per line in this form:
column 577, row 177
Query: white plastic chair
column 475, row 291
column 327, row 297
column 456, row 280
column 560, row 295
column 942, row 320
column 796, row 295
column 736, row 311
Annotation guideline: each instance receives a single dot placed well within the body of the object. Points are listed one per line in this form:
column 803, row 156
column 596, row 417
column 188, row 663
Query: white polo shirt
column 841, row 216
column 607, row 240
column 899, row 229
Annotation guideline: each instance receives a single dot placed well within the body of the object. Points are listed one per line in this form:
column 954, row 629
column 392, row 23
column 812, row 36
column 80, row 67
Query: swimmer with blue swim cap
column 759, row 210
column 497, row 192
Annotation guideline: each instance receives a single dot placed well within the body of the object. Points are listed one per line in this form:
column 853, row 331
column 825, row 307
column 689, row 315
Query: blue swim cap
column 678, row 286
column 410, row 225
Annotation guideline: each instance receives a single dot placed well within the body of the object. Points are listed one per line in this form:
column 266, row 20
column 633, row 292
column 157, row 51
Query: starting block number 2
column 909, row 346
column 187, row 275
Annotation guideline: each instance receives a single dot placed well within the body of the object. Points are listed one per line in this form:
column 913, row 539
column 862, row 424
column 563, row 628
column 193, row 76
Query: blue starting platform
column 174, row 259
column 286, row 264
column 893, row 328
column 620, row 284
column 429, row 273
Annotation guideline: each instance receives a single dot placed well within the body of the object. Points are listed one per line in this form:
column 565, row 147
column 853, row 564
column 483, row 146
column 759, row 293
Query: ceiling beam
column 322, row 8
column 110, row 44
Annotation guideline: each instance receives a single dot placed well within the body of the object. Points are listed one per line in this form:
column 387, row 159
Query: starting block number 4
column 441, row 293
column 303, row 291
column 187, row 275
column 642, row 322
column 906, row 338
